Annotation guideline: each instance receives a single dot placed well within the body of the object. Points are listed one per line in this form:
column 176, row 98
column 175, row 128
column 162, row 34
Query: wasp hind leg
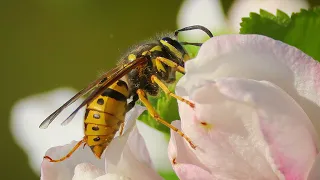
column 128, row 108
column 155, row 115
column 121, row 129
column 156, row 80
column 69, row 154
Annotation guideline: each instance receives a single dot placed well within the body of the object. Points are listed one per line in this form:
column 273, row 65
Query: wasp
column 142, row 72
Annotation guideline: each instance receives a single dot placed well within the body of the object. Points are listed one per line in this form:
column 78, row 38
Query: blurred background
column 47, row 44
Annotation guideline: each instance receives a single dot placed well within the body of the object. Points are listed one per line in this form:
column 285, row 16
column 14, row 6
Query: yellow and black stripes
column 111, row 93
column 104, row 116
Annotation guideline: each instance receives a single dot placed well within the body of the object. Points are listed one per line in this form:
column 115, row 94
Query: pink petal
column 260, row 58
column 86, row 171
column 314, row 173
column 248, row 129
column 183, row 160
column 191, row 172
column 284, row 125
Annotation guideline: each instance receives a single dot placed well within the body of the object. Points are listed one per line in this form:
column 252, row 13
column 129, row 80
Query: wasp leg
column 69, row 154
column 171, row 64
column 121, row 128
column 155, row 115
column 156, row 80
column 129, row 107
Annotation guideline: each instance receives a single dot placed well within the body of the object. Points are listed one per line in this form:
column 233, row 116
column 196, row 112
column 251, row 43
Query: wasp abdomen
column 104, row 116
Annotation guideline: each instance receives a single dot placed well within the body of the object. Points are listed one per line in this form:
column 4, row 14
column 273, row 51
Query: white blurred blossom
column 242, row 8
column 28, row 113
column 208, row 13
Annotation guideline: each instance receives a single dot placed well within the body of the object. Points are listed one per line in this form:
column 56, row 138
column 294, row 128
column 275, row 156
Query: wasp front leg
column 156, row 116
column 156, row 80
column 172, row 64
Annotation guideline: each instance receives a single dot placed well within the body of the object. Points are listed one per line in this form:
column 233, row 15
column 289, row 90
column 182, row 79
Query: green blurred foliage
column 314, row 3
column 47, row 44
column 226, row 5
column 300, row 30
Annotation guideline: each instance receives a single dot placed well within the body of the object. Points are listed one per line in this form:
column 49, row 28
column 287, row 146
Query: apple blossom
column 257, row 112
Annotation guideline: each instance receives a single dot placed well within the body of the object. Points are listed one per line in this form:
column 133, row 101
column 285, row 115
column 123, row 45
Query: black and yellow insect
column 140, row 73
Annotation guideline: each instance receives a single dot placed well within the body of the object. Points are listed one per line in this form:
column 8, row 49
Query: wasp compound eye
column 173, row 43
column 173, row 47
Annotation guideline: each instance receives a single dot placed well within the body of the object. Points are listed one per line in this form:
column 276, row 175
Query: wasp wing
column 100, row 84
column 82, row 92
column 92, row 96
column 126, row 68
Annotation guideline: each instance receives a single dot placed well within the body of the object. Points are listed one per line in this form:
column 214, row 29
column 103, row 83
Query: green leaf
column 266, row 24
column 300, row 30
column 304, row 32
column 169, row 175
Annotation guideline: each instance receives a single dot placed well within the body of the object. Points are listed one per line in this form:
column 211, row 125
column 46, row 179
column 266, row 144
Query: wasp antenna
column 192, row 44
column 194, row 27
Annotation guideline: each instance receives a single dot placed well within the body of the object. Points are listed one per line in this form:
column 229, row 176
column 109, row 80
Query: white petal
column 127, row 155
column 247, row 129
column 157, row 146
column 135, row 161
column 86, row 171
column 28, row 113
column 242, row 8
column 114, row 152
column 208, row 13
column 260, row 58
column 65, row 169
column 113, row 177
column 179, row 150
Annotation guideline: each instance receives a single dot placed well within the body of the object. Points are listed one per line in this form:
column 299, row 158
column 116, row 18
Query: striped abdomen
column 104, row 115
